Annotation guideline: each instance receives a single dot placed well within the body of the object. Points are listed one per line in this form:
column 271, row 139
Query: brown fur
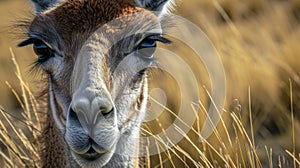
column 72, row 22
column 75, row 20
column 53, row 151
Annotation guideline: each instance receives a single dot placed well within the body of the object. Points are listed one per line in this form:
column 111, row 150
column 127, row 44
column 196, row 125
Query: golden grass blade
column 159, row 140
column 19, row 76
column 35, row 105
column 11, row 126
column 202, row 156
column 294, row 157
column 9, row 144
column 7, row 159
column 16, row 95
column 188, row 156
column 270, row 157
column 293, row 125
column 21, row 121
column 7, row 137
column 254, row 159
column 25, row 90
column 196, row 115
column 221, row 118
column 244, row 133
column 279, row 162
column 239, row 150
column 251, row 122
column 31, row 148
column 172, row 150
column 229, row 159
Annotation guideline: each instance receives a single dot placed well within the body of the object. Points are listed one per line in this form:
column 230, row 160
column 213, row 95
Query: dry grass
column 19, row 137
column 259, row 44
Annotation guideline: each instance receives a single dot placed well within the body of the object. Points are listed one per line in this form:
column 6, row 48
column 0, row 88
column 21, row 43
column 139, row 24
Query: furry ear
column 154, row 5
column 41, row 5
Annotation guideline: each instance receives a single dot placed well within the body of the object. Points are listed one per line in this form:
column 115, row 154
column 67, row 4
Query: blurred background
column 259, row 44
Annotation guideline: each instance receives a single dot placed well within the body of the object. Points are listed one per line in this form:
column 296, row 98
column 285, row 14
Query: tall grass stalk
column 21, row 147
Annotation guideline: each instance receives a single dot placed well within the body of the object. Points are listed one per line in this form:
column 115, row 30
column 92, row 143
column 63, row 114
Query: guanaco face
column 96, row 54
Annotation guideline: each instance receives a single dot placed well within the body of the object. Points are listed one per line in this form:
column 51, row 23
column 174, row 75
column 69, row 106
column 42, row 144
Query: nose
column 92, row 108
column 91, row 116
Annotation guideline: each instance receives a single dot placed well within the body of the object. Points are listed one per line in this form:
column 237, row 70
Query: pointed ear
column 155, row 5
column 41, row 5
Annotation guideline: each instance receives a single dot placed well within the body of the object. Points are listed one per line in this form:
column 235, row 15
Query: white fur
column 166, row 8
column 39, row 5
column 56, row 117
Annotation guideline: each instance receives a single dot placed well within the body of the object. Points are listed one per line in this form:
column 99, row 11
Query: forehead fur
column 80, row 15
column 74, row 20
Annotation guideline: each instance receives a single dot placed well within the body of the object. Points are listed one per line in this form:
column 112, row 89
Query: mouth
column 93, row 158
column 94, row 152
column 91, row 155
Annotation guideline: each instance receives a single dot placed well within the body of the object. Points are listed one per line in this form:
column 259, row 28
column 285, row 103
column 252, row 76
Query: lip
column 93, row 152
column 91, row 155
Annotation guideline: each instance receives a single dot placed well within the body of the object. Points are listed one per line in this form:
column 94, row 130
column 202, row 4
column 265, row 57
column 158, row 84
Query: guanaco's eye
column 147, row 43
column 42, row 51
column 147, row 46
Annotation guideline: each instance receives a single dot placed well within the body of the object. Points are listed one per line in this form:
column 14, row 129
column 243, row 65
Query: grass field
column 258, row 41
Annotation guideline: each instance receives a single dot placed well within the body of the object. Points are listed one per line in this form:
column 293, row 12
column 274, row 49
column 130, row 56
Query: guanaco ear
column 155, row 5
column 41, row 5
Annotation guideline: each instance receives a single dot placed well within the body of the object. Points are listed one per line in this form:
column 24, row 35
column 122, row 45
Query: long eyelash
column 34, row 37
column 160, row 38
column 27, row 42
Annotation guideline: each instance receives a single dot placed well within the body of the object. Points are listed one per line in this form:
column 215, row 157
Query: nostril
column 72, row 117
column 72, row 114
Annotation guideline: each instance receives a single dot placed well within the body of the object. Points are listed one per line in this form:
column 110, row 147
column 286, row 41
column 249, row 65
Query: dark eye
column 147, row 43
column 147, row 46
column 42, row 51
